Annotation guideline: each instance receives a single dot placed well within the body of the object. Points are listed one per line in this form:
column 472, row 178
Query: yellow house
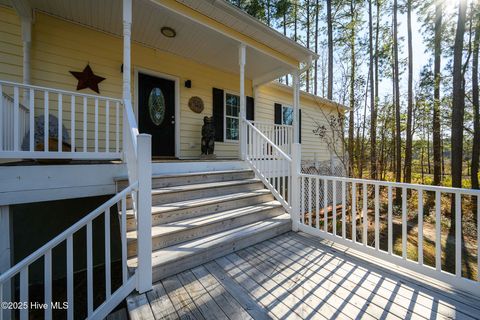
column 186, row 48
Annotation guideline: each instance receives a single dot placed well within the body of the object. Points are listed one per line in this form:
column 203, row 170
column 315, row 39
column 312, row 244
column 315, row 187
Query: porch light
column 168, row 32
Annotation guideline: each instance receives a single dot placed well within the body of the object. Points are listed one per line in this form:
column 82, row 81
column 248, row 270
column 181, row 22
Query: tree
column 437, row 169
column 396, row 80
column 476, row 106
column 373, row 112
column 458, row 102
column 315, row 76
column 330, row 50
column 409, row 136
column 282, row 10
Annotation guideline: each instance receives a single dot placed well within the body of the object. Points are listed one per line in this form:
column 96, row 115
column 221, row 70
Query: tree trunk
column 307, row 76
column 352, row 89
column 408, row 145
column 398, row 136
column 428, row 153
column 436, row 95
column 458, row 102
column 373, row 109
column 476, row 109
column 330, row 50
column 285, row 34
column 315, row 76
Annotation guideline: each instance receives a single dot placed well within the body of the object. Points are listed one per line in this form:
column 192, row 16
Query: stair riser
column 182, row 195
column 171, row 239
column 162, row 182
column 165, row 270
column 181, row 214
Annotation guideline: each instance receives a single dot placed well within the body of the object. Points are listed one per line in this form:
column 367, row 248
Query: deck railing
column 270, row 163
column 46, row 123
column 69, row 239
column 401, row 223
column 281, row 135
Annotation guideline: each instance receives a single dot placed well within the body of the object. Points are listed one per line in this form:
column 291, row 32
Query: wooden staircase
column 200, row 216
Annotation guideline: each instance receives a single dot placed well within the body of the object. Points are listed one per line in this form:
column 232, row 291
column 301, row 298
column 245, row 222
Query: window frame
column 233, row 93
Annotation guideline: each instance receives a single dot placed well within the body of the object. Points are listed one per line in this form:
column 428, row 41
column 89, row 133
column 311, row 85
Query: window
column 287, row 115
column 232, row 110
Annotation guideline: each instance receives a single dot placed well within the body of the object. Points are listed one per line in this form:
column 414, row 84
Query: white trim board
column 174, row 78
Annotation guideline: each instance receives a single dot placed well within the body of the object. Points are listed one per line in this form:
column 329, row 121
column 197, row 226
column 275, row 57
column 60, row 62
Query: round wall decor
column 196, row 104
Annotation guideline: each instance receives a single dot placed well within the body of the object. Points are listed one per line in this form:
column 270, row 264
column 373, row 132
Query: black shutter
column 217, row 101
column 278, row 113
column 250, row 109
column 300, row 126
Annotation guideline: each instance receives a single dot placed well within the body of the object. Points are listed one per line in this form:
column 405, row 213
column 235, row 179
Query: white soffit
column 193, row 40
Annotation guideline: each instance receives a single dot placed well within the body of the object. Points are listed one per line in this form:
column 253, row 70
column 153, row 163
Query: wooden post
column 144, row 213
column 243, row 114
column 127, row 30
column 295, row 185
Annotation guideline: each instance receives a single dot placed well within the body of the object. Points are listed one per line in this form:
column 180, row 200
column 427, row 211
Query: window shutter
column 217, row 101
column 300, row 126
column 250, row 109
column 278, row 113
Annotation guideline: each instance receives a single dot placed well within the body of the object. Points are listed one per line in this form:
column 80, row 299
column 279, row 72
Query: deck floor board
column 294, row 276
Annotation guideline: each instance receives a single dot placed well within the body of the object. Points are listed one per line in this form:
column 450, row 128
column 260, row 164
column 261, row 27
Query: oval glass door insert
column 156, row 106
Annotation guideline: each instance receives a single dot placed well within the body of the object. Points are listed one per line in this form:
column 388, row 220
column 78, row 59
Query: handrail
column 270, row 123
column 424, row 187
column 72, row 93
column 64, row 235
column 273, row 145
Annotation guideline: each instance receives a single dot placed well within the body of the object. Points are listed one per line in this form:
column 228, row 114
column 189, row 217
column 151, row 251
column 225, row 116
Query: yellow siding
column 315, row 112
column 10, row 45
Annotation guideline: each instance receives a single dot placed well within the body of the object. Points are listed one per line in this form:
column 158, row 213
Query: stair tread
column 190, row 174
column 192, row 203
column 172, row 227
column 207, row 185
column 184, row 249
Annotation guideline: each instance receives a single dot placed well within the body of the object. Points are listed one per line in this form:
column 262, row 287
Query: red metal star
column 87, row 79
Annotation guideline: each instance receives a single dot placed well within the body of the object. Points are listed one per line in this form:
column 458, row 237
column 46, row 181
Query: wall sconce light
column 188, row 84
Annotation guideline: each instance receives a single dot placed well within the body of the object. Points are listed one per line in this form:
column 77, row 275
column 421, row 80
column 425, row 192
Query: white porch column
column 27, row 41
column 296, row 153
column 127, row 31
column 243, row 113
column 296, row 105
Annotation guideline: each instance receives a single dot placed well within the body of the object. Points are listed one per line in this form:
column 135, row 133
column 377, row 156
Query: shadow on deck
column 296, row 276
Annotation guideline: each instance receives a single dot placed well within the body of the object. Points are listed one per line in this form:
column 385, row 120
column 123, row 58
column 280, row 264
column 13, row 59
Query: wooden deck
column 294, row 276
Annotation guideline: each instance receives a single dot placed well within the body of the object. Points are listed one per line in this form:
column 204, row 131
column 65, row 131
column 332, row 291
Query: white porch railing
column 365, row 219
column 281, row 135
column 45, row 123
column 270, row 163
column 21, row 301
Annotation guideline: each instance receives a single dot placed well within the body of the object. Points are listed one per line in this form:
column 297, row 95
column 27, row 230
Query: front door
column 156, row 113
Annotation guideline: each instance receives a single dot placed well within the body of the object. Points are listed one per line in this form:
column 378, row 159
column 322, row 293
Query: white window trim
column 225, row 140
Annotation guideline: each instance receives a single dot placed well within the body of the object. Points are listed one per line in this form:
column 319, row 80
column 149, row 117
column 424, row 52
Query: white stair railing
column 45, row 123
column 281, row 135
column 270, row 163
column 367, row 215
column 68, row 238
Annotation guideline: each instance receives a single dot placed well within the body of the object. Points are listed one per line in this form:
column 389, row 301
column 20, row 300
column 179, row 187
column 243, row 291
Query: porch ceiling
column 193, row 40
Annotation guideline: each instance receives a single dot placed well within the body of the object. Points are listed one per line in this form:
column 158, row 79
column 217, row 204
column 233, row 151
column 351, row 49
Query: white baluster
column 334, row 206
column 89, row 270
column 85, row 124
column 325, row 204
column 108, row 286
column 404, row 223
column 124, row 239
column 438, row 232
column 354, row 212
column 420, row 226
column 96, row 125
column 16, row 120
column 344, row 203
column 317, row 202
column 60, row 122
column 31, row 114
column 48, row 284
column 117, row 127
column 310, row 191
column 458, row 234
column 72, row 123
column 389, row 220
column 107, row 126
column 377, row 217
column 46, row 131
column 365, row 215
column 70, row 277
